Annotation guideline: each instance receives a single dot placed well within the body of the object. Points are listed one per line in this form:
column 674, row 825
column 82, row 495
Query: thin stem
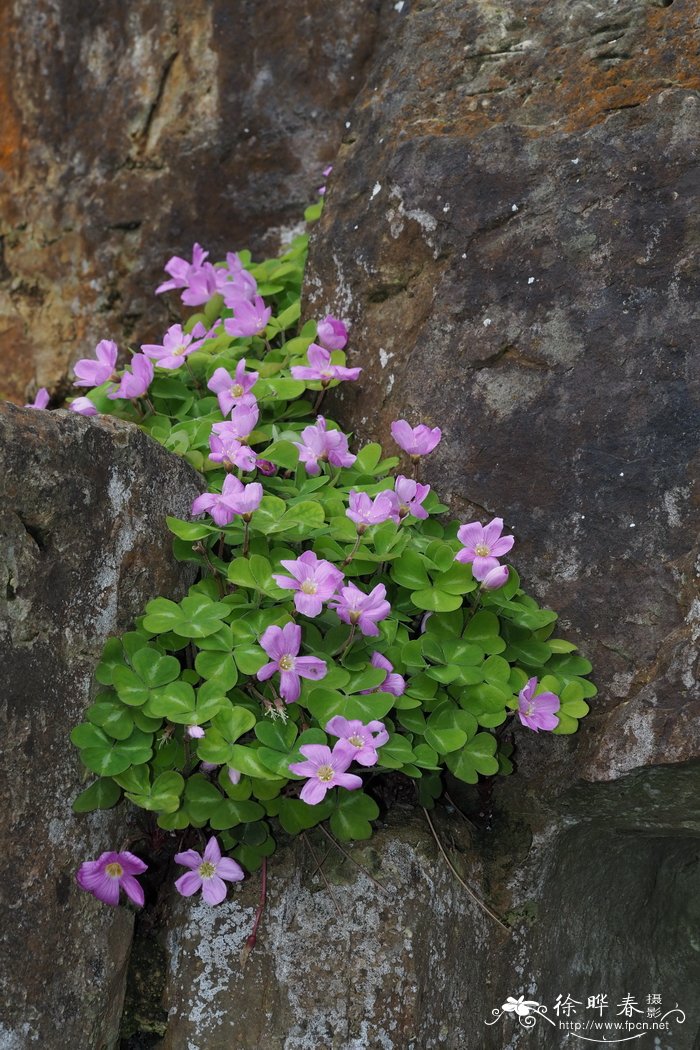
column 246, row 537
column 252, row 939
column 353, row 552
column 346, row 644
column 319, row 400
column 319, row 869
column 193, row 376
column 474, row 609
column 460, row 880
column 352, row 859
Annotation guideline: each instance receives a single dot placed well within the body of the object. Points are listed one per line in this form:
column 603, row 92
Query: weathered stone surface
column 509, row 231
column 83, row 547
column 131, row 130
column 600, row 892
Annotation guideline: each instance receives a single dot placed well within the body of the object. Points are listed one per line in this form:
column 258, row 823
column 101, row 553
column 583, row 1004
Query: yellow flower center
column 236, row 390
column 482, row 550
column 354, row 615
column 530, row 711
column 179, row 350
column 309, row 587
column 356, row 741
column 325, row 773
column 206, row 870
column 115, row 871
column 286, row 663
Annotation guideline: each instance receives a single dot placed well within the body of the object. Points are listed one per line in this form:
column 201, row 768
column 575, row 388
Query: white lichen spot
column 487, row 321
column 375, row 190
column 514, row 207
column 384, row 357
column 398, row 6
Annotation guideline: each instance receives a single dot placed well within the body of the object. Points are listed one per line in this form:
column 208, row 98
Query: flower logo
column 521, row 1006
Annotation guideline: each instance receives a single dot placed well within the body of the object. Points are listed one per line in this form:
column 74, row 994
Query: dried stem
column 459, row 878
column 319, row 869
column 351, row 858
column 252, row 939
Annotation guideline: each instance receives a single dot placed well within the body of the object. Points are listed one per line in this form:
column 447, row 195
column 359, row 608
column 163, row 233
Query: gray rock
column 83, row 547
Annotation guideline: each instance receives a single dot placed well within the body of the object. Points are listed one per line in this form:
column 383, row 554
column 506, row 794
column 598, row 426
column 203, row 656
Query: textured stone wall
column 83, row 547
column 130, row 130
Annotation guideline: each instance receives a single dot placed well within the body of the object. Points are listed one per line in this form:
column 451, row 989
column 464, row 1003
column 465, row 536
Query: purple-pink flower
column 207, row 872
column 136, row 382
column 313, row 579
column 176, row 346
column 321, row 367
column 231, row 389
column 203, row 284
column 417, row 441
column 282, row 644
column 109, row 874
column 234, row 775
column 251, row 318
column 195, row 732
column 483, row 546
column 319, row 444
column 244, row 418
column 495, row 578
column 331, row 333
column 355, row 607
column 325, row 769
column 365, row 512
column 228, row 450
column 411, row 496
column 41, row 400
column 393, row 683
column 266, row 467
column 537, row 712
column 235, row 498
column 365, row 738
column 181, row 271
column 83, row 406
column 93, row 373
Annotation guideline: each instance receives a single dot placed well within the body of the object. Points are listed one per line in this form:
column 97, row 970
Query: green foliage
column 465, row 652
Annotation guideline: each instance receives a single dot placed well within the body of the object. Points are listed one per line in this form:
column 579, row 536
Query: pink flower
column 393, row 683
column 233, row 775
column 417, row 441
column 266, row 467
column 314, row 580
column 365, row 610
column 235, row 498
column 331, row 333
column 365, row 738
column 41, row 400
column 231, row 389
column 411, row 496
column 176, row 347
column 83, row 406
column 181, row 271
column 326, row 171
column 483, row 546
column 244, row 418
column 136, row 382
column 250, row 318
column 228, row 450
column 537, row 712
column 93, row 373
column 241, row 287
column 365, row 511
column 319, row 444
column 195, row 732
column 208, row 872
column 104, row 877
column 325, row 769
column 283, row 644
column 203, row 284
column 495, row 578
column 321, row 367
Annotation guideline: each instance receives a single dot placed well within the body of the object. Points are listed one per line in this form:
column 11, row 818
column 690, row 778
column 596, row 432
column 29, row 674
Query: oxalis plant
column 341, row 627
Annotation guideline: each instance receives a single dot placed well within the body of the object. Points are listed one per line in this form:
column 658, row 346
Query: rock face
column 131, row 131
column 508, row 231
column 83, row 547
